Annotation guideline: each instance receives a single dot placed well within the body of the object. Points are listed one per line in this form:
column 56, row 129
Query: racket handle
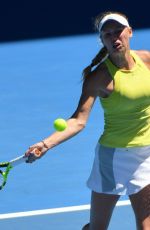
column 18, row 160
column 23, row 158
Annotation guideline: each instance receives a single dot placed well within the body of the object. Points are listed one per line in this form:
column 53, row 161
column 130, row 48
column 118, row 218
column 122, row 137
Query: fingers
column 32, row 155
column 35, row 152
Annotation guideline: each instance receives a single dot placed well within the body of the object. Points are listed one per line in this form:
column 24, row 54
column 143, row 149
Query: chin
column 119, row 50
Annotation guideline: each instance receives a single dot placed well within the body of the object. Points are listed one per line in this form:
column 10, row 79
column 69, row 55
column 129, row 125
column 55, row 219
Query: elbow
column 81, row 125
column 77, row 124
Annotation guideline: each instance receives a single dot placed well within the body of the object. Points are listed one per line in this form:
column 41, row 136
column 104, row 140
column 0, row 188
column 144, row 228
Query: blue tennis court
column 40, row 81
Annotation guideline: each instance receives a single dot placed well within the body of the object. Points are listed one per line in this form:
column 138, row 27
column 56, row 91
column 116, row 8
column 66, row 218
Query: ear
column 130, row 32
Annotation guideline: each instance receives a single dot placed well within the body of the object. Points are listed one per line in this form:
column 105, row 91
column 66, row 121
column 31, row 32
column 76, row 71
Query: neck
column 123, row 61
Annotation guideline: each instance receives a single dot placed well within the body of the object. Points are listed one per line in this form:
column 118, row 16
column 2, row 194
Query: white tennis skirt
column 120, row 171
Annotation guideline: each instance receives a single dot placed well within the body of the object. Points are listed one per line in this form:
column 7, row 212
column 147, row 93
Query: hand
column 36, row 151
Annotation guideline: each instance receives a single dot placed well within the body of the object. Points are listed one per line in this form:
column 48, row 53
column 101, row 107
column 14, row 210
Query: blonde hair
column 103, row 51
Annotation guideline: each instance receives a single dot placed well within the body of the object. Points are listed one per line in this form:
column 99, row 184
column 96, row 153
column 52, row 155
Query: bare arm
column 78, row 120
column 75, row 123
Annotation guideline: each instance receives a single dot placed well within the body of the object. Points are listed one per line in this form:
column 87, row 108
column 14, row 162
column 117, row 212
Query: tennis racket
column 7, row 166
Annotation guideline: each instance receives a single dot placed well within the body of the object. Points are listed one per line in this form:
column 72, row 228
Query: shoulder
column 97, row 73
column 144, row 55
column 95, row 80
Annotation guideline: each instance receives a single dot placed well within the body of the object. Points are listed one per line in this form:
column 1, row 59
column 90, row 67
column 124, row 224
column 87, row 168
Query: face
column 115, row 37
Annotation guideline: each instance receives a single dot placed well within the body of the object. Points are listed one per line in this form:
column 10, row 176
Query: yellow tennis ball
column 60, row 124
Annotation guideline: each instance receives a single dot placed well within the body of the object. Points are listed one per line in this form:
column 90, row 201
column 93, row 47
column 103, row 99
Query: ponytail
column 96, row 60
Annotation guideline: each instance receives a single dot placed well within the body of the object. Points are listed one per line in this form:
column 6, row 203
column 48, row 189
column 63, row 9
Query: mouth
column 117, row 46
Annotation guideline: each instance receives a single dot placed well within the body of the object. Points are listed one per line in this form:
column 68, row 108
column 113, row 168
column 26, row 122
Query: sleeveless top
column 127, row 109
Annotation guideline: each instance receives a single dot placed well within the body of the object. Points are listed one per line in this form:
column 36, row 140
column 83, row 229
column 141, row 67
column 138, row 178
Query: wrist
column 45, row 145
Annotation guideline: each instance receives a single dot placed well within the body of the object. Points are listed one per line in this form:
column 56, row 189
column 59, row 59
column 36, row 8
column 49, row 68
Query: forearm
column 74, row 126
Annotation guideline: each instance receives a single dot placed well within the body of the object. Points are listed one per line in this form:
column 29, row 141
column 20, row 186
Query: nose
column 114, row 37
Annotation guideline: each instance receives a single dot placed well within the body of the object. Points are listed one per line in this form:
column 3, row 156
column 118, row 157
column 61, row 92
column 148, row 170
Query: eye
column 106, row 34
column 119, row 31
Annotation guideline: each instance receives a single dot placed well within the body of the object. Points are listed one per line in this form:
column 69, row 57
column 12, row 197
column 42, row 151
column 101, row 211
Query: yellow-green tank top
column 127, row 109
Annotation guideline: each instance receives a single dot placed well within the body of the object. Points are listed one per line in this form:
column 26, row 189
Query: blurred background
column 32, row 19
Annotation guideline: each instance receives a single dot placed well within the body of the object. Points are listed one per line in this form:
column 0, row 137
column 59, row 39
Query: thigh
column 102, row 206
column 141, row 206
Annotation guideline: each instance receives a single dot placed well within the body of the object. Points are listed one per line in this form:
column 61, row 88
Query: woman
column 121, row 79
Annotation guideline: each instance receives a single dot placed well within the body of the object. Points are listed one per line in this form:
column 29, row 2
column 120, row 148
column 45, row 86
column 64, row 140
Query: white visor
column 115, row 17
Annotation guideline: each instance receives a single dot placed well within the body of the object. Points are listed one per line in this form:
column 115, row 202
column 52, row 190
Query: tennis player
column 120, row 78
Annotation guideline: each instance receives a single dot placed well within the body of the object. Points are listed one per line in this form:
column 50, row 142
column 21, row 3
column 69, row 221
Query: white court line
column 54, row 210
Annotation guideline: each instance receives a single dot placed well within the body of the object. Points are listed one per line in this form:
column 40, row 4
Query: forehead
column 111, row 24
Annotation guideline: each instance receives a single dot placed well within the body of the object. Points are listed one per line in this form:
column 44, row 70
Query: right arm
column 75, row 123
